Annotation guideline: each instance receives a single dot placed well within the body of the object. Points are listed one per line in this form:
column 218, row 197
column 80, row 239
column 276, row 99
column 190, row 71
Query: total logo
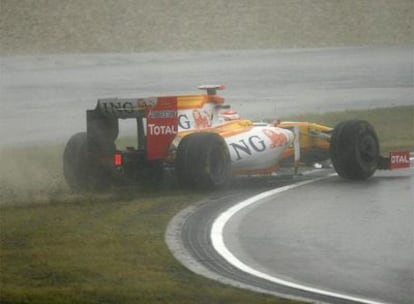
column 162, row 130
column 400, row 159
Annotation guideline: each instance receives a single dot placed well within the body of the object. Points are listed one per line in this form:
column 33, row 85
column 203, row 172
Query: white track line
column 216, row 236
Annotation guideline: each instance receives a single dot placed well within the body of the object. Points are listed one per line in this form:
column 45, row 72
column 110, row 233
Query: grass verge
column 57, row 247
column 101, row 251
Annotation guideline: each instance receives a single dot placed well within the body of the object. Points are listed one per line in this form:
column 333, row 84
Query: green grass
column 31, row 175
column 102, row 251
column 59, row 247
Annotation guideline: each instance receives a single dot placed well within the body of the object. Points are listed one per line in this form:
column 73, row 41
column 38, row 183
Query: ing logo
column 277, row 139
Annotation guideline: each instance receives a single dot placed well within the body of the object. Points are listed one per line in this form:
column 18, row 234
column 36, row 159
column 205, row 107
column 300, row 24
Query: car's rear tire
column 354, row 149
column 80, row 171
column 203, row 161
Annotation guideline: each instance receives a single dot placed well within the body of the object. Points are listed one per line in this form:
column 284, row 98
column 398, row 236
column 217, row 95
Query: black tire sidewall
column 83, row 171
column 203, row 161
column 75, row 162
column 347, row 155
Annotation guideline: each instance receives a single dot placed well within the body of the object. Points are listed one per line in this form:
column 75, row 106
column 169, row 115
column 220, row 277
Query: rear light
column 118, row 159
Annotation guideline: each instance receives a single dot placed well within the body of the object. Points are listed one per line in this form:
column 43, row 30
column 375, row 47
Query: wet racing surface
column 333, row 240
column 354, row 238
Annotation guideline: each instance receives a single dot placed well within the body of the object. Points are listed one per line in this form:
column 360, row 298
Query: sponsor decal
column 247, row 146
column 184, row 122
column 117, row 106
column 278, row 139
column 161, row 130
column 201, row 120
column 197, row 119
column 125, row 107
column 163, row 114
column 257, row 143
column 400, row 159
column 144, row 103
column 162, row 123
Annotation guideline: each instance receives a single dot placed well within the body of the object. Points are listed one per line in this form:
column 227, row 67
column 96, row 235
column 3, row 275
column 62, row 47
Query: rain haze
column 276, row 58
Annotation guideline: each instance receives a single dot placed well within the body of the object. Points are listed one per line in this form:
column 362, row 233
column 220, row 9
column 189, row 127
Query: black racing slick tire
column 203, row 161
column 75, row 160
column 80, row 172
column 354, row 149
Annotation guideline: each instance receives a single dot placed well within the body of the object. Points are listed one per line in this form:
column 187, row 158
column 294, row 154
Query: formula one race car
column 205, row 143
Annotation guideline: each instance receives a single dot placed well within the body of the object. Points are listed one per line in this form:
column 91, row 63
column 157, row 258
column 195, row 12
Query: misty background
column 79, row 26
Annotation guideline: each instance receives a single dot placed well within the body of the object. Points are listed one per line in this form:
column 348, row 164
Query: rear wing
column 161, row 114
column 141, row 107
column 125, row 107
column 161, row 123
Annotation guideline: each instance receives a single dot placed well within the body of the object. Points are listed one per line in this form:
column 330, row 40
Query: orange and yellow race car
column 206, row 143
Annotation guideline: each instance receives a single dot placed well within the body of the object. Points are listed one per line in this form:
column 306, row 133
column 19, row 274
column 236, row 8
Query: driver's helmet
column 228, row 115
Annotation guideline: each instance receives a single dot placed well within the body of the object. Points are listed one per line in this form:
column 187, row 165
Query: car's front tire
column 354, row 149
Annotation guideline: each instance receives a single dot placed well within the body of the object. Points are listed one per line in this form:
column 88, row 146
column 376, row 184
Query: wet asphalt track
column 354, row 238
column 351, row 241
column 44, row 98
